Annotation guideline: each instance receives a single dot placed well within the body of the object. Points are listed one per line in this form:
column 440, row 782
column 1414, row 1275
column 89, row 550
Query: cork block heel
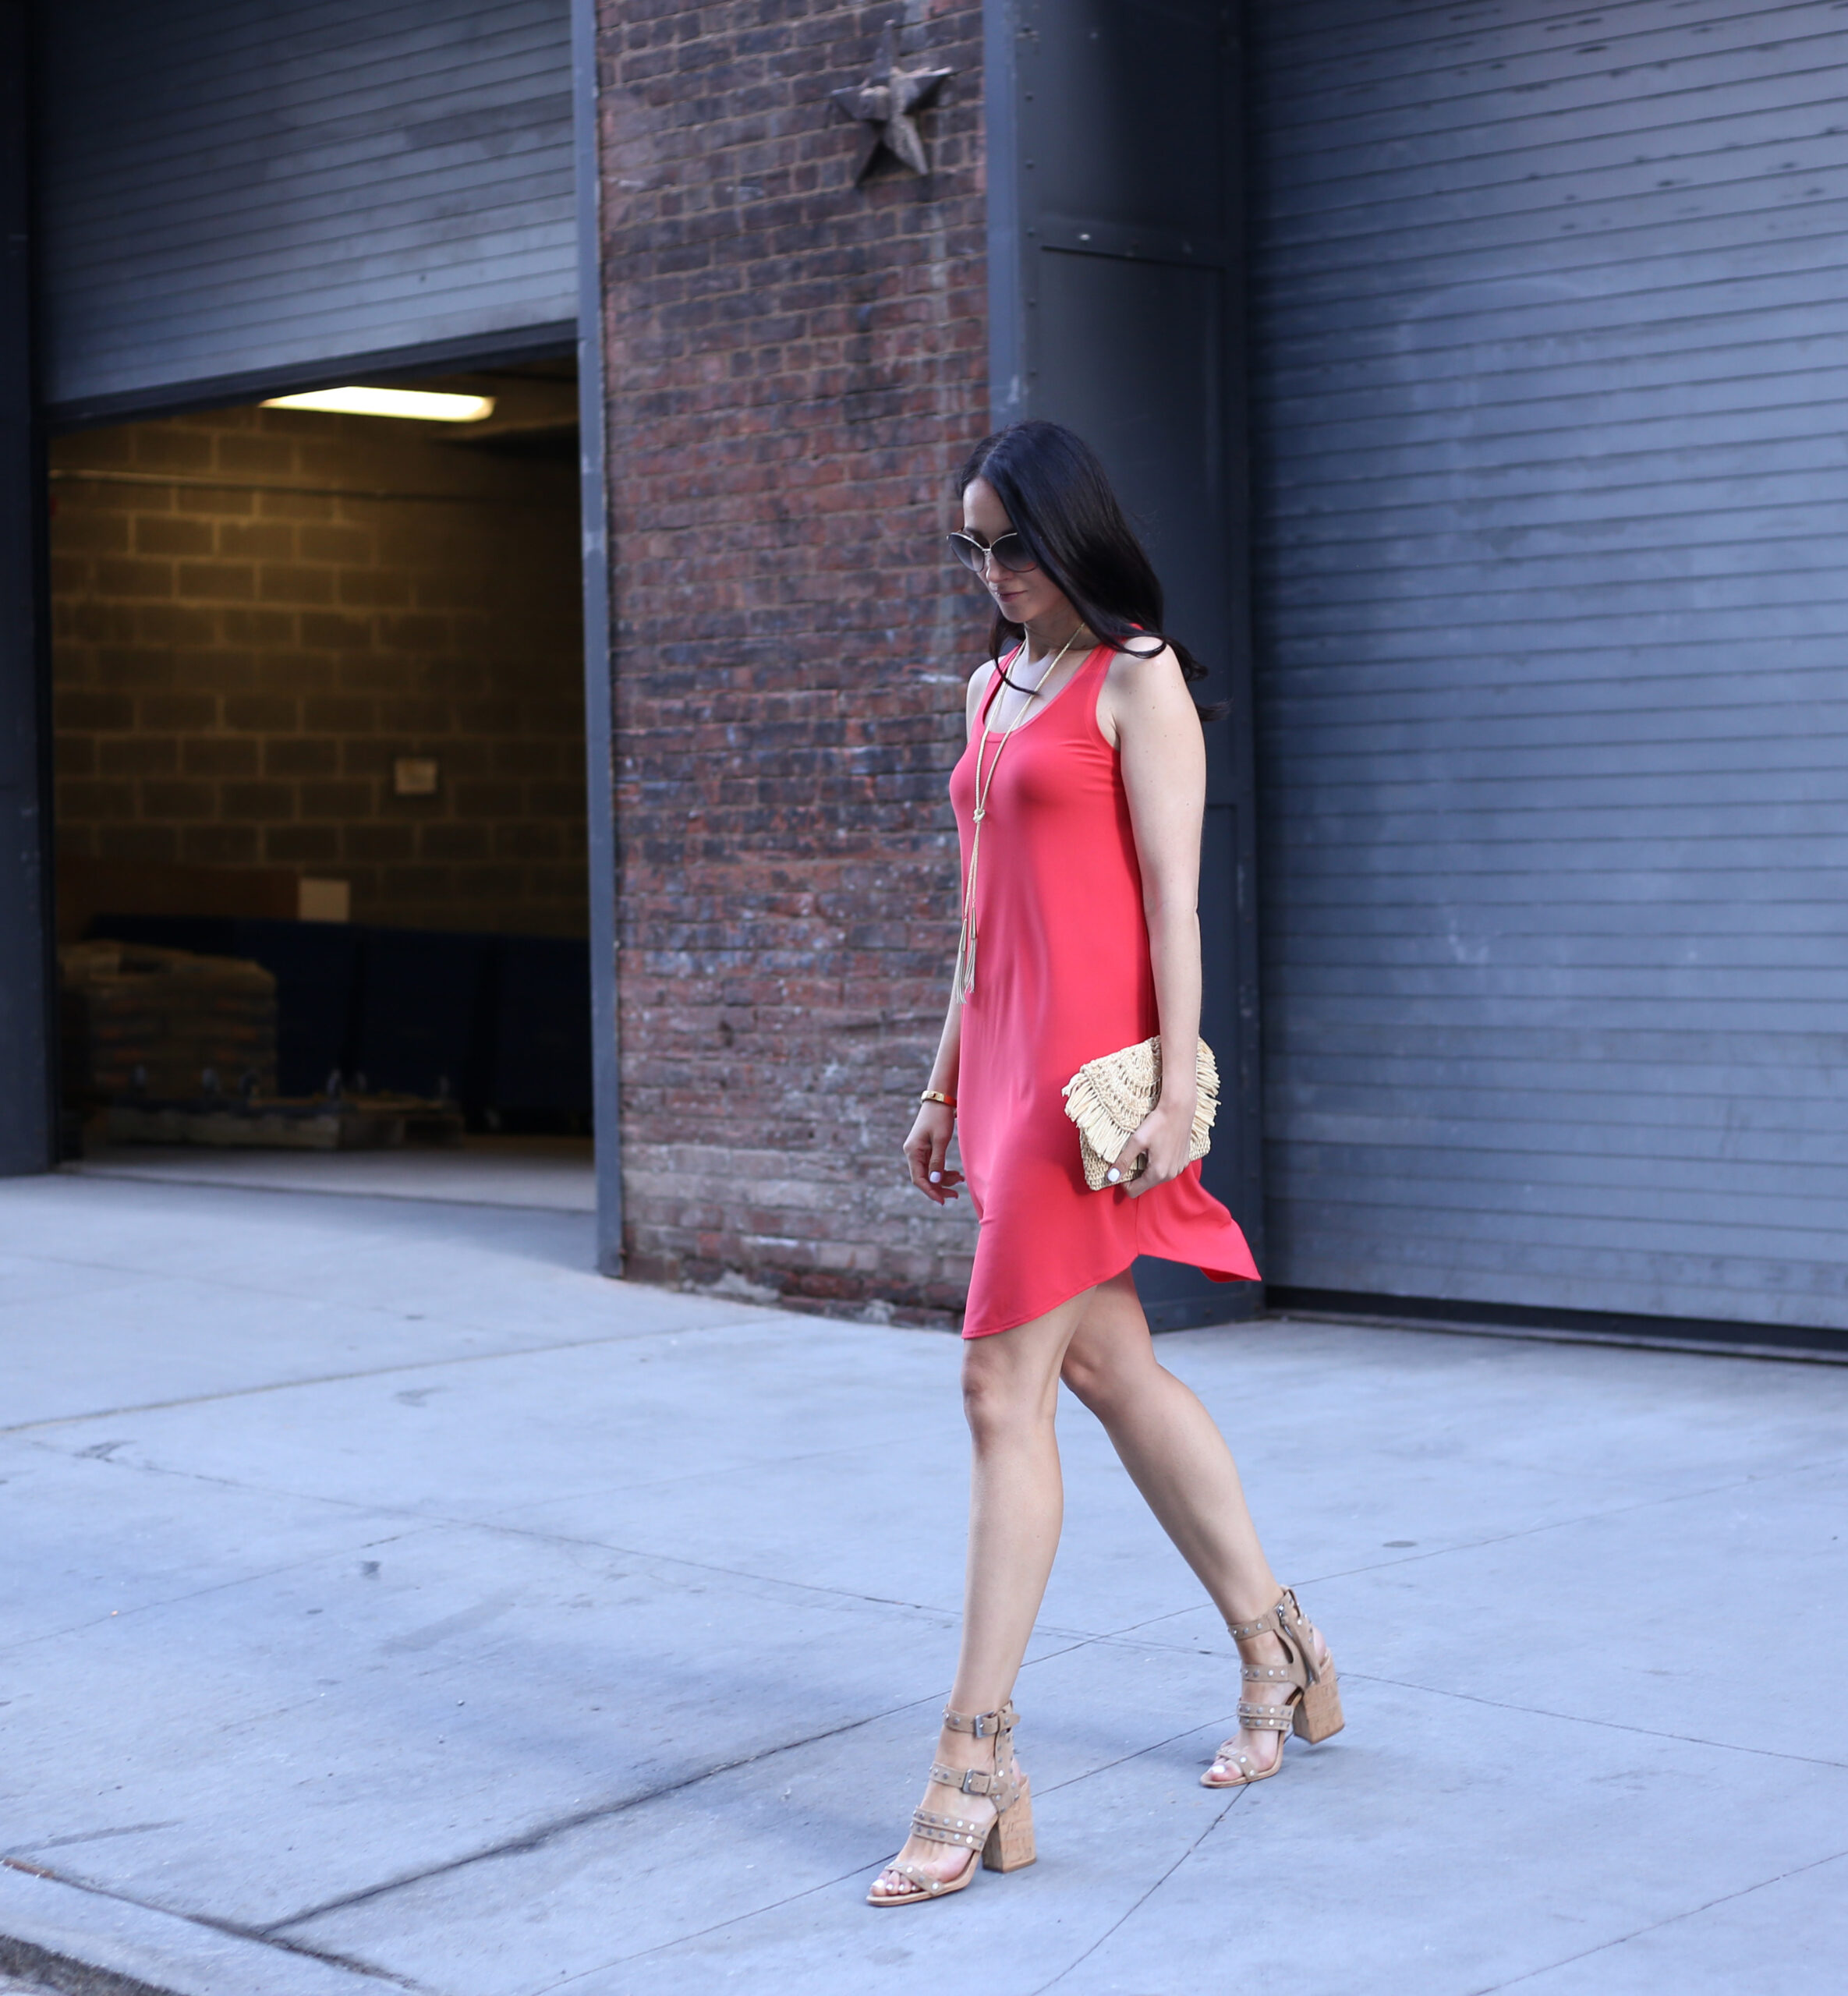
column 1010, row 1845
column 1318, row 1710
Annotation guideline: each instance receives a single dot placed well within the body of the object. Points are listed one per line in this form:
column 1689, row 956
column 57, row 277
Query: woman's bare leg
column 1173, row 1451
column 1017, row 1499
column 1178, row 1459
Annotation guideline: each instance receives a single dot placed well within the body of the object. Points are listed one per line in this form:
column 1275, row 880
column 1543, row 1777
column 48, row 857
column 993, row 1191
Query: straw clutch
column 1108, row 1097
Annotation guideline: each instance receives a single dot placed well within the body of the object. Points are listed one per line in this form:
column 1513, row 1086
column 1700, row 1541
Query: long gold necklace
column 965, row 943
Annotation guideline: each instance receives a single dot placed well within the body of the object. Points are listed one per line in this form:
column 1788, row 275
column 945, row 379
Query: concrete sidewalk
column 392, row 1603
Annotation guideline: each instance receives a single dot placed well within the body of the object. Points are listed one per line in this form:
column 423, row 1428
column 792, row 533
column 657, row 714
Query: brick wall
column 796, row 367
column 242, row 649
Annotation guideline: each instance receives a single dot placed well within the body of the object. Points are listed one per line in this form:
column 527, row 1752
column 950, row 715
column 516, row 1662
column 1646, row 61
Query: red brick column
column 796, row 364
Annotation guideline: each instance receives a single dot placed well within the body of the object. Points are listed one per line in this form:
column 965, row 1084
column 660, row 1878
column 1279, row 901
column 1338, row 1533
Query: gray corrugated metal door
column 1116, row 294
column 1549, row 364
column 231, row 190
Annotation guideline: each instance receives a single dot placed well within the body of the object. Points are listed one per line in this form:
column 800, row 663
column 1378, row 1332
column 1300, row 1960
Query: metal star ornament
column 883, row 105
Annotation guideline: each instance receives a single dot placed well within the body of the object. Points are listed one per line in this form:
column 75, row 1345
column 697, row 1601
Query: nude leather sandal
column 1312, row 1708
column 1006, row 1843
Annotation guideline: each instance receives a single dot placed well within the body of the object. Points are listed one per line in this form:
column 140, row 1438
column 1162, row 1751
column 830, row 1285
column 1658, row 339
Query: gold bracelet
column 934, row 1095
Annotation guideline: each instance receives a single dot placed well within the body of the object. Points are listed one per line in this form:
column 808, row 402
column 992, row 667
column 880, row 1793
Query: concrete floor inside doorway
column 392, row 1603
column 554, row 1174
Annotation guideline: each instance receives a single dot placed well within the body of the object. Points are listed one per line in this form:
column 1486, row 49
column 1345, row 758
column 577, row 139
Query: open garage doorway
column 318, row 708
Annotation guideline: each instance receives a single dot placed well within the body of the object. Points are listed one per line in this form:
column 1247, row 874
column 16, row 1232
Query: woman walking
column 1079, row 800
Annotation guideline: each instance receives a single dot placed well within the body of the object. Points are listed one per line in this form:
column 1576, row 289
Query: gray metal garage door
column 1552, row 364
column 234, row 190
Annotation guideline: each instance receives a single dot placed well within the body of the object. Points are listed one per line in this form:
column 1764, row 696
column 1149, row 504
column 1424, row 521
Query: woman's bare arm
column 1148, row 709
column 924, row 1148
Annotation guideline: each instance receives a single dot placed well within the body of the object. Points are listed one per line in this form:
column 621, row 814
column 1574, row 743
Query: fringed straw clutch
column 1108, row 1097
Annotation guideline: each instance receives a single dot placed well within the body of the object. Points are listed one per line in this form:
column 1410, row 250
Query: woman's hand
column 1166, row 1133
column 925, row 1148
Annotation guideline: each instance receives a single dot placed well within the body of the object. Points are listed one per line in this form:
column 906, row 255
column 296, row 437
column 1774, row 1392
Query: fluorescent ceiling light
column 417, row 402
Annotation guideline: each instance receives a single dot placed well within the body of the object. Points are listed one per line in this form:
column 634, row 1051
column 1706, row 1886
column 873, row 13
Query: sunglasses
column 1008, row 551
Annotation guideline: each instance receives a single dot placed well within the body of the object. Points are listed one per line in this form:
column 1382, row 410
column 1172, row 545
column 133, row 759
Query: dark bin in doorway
column 542, row 1028
column 316, row 965
column 423, row 1013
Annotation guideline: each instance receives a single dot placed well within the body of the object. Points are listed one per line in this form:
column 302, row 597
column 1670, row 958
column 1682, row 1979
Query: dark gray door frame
column 599, row 715
column 28, row 987
column 1073, row 213
column 1001, row 28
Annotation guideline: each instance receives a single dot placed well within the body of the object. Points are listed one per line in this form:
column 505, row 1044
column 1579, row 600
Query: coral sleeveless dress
column 1062, row 976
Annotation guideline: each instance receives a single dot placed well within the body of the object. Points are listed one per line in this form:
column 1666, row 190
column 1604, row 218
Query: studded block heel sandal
column 1005, row 1844
column 1311, row 1703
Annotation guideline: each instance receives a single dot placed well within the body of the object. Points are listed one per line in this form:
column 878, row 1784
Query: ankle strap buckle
column 981, row 1725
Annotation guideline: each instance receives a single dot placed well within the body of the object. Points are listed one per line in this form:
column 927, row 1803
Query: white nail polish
column 1114, row 1175
column 936, row 1178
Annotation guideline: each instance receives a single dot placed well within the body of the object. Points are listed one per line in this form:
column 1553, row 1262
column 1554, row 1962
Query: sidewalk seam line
column 1655, row 1926
column 130, row 1176
column 537, row 1839
column 1609, row 1724
column 257, row 1936
column 1531, row 1711
column 534, row 1839
column 369, row 1372
column 1131, row 1910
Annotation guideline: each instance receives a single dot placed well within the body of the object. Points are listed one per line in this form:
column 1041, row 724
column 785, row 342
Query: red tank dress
column 1062, row 976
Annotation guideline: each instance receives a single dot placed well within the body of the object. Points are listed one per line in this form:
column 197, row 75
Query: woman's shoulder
column 1143, row 666
column 1142, row 648
column 1145, row 688
column 980, row 680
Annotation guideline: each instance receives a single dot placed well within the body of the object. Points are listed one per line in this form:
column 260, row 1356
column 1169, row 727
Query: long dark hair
column 1057, row 495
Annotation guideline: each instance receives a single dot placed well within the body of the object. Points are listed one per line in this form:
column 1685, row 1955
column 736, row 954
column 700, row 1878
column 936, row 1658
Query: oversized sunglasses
column 1007, row 551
